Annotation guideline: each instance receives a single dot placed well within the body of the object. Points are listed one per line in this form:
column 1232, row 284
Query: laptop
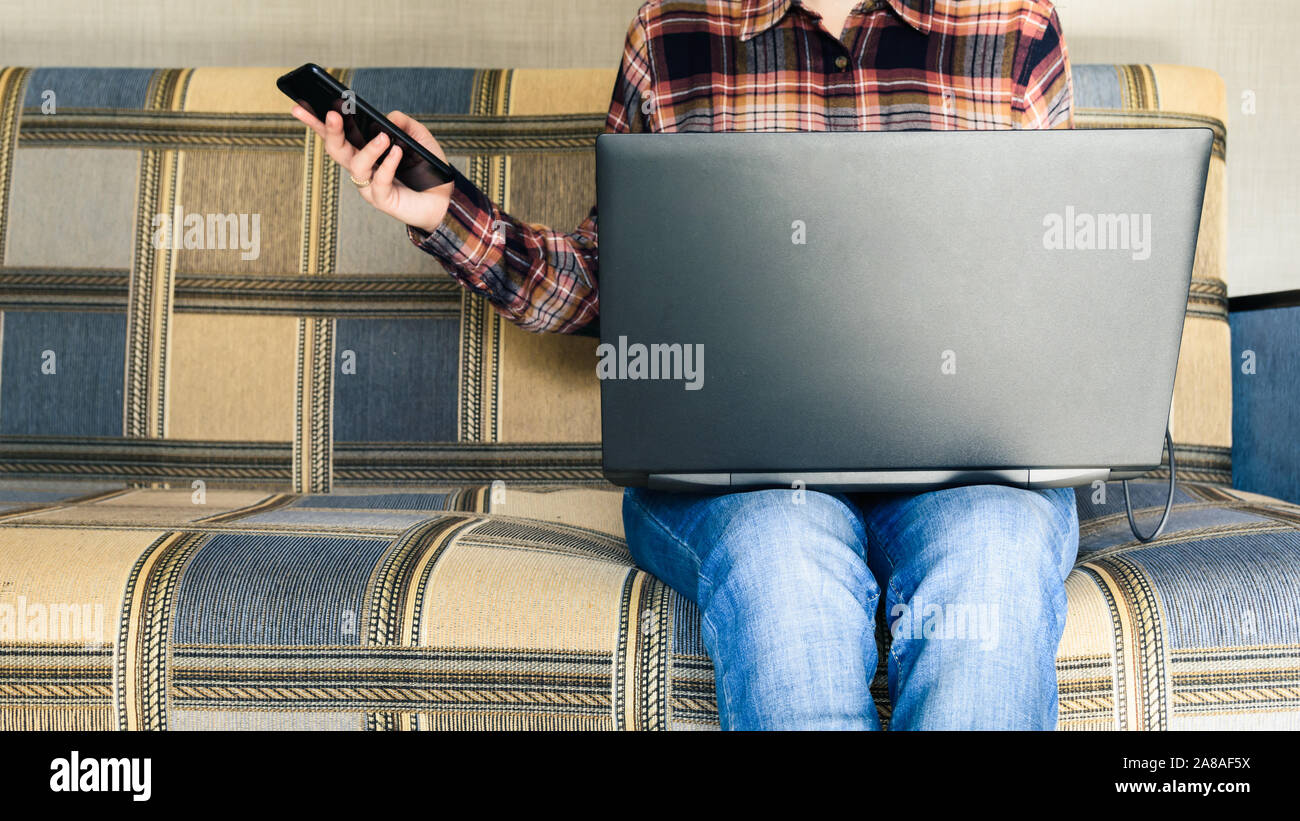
column 892, row 311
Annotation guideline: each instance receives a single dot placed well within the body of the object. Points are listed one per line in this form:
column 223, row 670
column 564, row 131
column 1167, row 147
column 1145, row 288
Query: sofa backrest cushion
column 142, row 341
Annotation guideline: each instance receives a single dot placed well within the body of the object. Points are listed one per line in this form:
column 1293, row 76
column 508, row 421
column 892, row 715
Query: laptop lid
column 892, row 310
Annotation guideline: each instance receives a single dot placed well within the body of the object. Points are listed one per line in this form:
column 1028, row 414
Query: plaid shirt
column 769, row 65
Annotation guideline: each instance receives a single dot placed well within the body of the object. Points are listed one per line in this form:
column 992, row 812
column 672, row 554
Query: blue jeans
column 788, row 584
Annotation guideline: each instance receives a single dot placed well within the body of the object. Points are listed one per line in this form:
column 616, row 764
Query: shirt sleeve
column 536, row 277
column 1045, row 90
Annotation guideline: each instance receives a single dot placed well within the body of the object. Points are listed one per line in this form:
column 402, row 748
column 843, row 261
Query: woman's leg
column 975, row 599
column 785, row 595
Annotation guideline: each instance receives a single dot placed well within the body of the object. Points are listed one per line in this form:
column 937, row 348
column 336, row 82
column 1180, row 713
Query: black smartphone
column 316, row 90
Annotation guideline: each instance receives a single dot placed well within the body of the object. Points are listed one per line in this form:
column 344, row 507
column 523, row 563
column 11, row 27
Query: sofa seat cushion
column 469, row 608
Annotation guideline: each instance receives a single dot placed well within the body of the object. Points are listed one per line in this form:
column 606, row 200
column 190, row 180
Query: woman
column 788, row 583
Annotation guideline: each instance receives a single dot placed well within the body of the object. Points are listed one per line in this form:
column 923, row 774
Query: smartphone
column 316, row 90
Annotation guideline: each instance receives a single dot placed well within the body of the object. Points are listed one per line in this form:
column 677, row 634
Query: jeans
column 789, row 583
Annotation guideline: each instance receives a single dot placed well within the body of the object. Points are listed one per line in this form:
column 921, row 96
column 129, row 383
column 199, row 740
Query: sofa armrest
column 1266, row 394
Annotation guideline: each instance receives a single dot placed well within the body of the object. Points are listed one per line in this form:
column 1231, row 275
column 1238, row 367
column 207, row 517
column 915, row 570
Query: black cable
column 1169, row 503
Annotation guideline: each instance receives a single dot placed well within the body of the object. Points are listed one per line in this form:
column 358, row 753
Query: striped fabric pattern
column 262, row 492
column 473, row 609
column 332, row 358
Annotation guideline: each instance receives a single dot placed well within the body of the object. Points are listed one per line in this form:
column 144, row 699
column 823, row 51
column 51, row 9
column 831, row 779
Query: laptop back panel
column 938, row 303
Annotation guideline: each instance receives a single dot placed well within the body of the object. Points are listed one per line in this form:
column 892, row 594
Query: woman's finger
column 308, row 119
column 381, row 184
column 363, row 162
column 336, row 145
column 416, row 129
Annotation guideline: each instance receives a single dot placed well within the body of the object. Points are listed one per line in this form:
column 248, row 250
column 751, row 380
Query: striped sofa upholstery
column 308, row 482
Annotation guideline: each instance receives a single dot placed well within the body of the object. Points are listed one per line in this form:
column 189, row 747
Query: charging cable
column 1169, row 503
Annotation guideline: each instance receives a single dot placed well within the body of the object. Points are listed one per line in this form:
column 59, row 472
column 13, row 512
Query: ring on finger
column 358, row 183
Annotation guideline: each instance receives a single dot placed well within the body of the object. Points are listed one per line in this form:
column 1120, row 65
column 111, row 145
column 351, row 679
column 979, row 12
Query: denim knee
column 1002, row 548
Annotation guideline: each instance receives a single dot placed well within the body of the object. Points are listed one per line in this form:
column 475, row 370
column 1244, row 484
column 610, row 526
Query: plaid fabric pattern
column 770, row 65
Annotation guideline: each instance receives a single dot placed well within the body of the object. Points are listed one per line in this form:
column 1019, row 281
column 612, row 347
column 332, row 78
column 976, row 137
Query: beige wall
column 1252, row 44
column 470, row 33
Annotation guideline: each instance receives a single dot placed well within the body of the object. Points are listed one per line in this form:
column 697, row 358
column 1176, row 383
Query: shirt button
column 841, row 62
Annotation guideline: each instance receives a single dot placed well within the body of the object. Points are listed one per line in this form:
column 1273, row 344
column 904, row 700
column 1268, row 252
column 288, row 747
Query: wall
column 1252, row 45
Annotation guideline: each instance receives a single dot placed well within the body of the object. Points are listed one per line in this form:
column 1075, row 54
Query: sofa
column 268, row 467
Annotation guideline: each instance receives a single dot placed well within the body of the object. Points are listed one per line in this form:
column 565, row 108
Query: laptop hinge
column 1067, row 477
column 878, row 480
column 689, row 481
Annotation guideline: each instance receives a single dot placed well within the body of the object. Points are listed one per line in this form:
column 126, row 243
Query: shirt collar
column 761, row 15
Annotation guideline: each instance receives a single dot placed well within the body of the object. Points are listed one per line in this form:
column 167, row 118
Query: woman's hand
column 423, row 209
